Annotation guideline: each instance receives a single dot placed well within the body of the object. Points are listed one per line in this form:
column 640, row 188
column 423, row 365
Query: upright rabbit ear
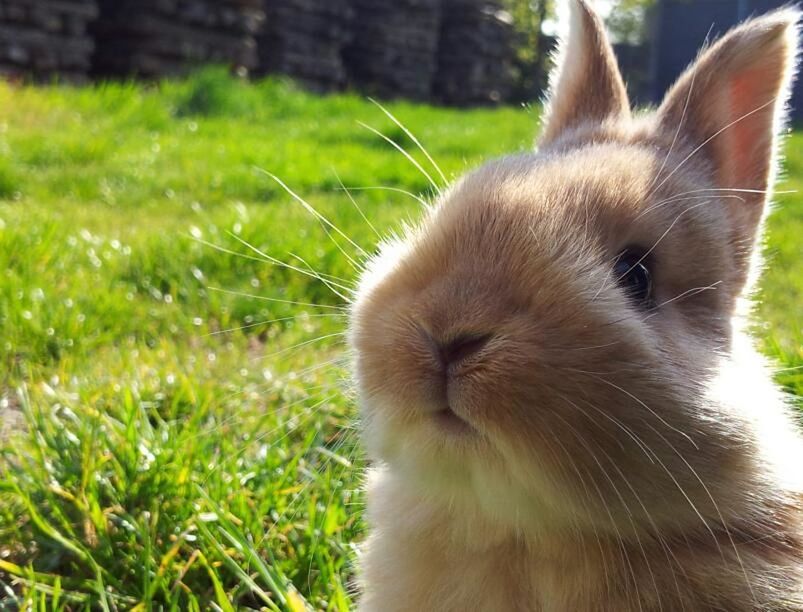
column 585, row 85
column 729, row 107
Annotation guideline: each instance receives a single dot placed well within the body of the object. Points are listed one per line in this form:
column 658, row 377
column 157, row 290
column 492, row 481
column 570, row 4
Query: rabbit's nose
column 460, row 348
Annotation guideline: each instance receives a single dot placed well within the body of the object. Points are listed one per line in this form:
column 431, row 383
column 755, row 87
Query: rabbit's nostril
column 461, row 347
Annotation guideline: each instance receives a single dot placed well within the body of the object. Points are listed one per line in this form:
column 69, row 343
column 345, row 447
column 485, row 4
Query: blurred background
column 457, row 52
column 177, row 427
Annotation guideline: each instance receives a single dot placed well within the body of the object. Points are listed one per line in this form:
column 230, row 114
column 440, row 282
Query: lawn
column 176, row 423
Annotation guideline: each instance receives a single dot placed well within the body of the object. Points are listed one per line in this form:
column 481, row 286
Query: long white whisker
column 332, row 285
column 270, row 322
column 357, row 206
column 709, row 139
column 650, row 410
column 310, row 209
column 412, row 137
column 676, row 198
column 265, row 434
column 686, row 294
column 277, row 300
column 653, row 247
column 419, row 199
column 629, row 432
column 716, row 508
column 301, row 344
column 583, row 442
column 680, row 124
column 573, row 464
column 401, row 150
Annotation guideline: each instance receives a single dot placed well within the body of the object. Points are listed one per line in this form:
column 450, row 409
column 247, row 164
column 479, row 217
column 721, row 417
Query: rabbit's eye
column 633, row 275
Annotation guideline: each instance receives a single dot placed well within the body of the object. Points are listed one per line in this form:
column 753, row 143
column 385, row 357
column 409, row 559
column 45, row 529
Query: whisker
column 279, row 262
column 348, row 289
column 629, row 432
column 271, row 321
column 296, row 497
column 716, row 508
column 789, row 369
column 277, row 300
column 357, row 206
column 412, row 137
column 235, row 418
column 709, row 139
column 677, row 198
column 580, row 410
column 223, row 249
column 310, row 209
column 401, row 150
column 645, row 406
column 346, row 464
column 679, row 486
column 311, row 273
column 652, row 248
column 302, row 344
column 686, row 294
column 597, row 346
column 680, row 123
column 419, row 199
column 270, row 432
column 343, row 359
column 668, row 553
column 626, row 508
column 573, row 464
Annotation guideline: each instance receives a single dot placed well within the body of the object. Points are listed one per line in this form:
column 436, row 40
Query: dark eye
column 633, row 275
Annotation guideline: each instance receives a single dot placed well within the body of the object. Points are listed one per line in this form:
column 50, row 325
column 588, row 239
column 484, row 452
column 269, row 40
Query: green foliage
column 8, row 182
column 530, row 47
column 213, row 92
column 164, row 462
column 182, row 447
column 627, row 21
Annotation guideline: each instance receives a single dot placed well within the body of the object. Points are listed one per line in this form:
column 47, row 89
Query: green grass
column 166, row 462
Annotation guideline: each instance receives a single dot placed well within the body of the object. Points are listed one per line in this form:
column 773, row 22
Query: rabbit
column 561, row 402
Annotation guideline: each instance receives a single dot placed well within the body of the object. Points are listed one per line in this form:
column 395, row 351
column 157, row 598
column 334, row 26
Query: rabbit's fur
column 595, row 453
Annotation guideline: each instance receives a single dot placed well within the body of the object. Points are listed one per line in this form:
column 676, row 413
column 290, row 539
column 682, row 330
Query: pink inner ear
column 751, row 131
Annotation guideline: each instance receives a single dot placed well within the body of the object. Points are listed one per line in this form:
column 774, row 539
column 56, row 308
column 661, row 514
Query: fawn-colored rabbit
column 561, row 402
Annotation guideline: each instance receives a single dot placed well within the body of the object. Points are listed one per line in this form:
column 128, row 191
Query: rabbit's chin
column 446, row 462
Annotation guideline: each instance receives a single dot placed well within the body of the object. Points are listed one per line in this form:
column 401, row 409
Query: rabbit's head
column 544, row 348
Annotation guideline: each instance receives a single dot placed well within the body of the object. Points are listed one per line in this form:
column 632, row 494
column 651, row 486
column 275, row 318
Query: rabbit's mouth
column 448, row 421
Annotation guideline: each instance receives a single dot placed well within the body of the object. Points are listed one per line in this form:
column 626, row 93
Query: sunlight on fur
column 561, row 403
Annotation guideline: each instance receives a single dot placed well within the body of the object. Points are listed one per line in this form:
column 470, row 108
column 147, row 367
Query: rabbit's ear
column 585, row 85
column 729, row 107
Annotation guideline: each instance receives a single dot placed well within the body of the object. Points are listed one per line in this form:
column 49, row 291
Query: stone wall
column 394, row 51
column 474, row 53
column 454, row 51
column 305, row 39
column 46, row 38
column 153, row 38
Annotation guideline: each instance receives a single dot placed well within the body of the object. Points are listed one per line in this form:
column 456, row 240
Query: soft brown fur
column 606, row 457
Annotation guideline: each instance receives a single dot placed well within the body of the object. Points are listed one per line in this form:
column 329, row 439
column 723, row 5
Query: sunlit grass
column 179, row 451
